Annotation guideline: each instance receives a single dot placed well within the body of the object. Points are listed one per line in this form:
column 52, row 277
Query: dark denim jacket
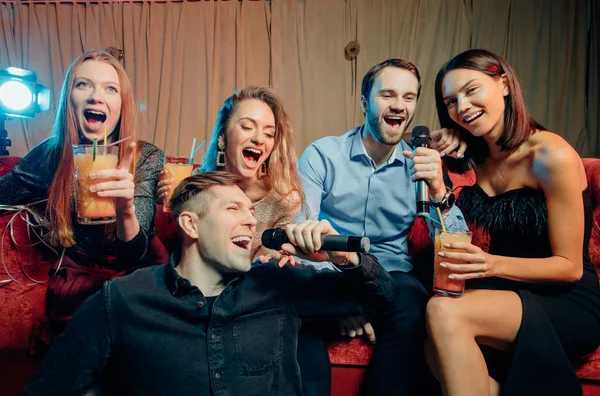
column 153, row 331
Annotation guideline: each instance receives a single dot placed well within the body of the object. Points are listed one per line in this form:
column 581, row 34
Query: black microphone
column 273, row 238
column 420, row 138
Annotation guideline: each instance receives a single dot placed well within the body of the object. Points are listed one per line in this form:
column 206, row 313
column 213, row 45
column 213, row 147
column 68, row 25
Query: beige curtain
column 546, row 43
column 427, row 32
column 309, row 69
column 185, row 58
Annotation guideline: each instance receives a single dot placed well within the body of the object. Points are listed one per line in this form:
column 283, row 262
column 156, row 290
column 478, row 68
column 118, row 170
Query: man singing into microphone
column 363, row 183
column 206, row 323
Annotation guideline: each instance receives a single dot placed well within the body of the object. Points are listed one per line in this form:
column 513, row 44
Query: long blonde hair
column 65, row 133
column 282, row 171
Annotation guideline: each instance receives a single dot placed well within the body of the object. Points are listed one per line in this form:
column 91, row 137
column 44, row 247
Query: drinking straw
column 105, row 135
column 118, row 141
column 94, row 148
column 439, row 212
column 199, row 147
column 434, row 220
column 191, row 159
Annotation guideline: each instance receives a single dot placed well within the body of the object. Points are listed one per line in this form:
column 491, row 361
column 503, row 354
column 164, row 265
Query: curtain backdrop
column 185, row 58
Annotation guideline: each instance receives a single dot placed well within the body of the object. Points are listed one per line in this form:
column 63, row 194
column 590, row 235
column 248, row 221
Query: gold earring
column 262, row 172
column 221, row 160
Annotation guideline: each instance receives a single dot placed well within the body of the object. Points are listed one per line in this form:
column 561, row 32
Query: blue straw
column 432, row 219
column 198, row 148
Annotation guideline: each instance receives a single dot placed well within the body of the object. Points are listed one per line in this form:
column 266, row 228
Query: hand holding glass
column 443, row 285
column 91, row 208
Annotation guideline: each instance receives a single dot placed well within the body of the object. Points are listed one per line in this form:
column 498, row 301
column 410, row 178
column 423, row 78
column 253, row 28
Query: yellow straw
column 439, row 212
column 105, row 142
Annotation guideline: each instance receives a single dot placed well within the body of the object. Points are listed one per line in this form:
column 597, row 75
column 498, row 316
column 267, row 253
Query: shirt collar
column 358, row 149
column 175, row 282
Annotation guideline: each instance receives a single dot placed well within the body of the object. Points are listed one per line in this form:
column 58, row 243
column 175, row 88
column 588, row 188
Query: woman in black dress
column 533, row 300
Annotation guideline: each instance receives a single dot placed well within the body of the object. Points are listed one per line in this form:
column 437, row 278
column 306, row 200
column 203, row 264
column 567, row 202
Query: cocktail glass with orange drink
column 177, row 169
column 443, row 285
column 91, row 208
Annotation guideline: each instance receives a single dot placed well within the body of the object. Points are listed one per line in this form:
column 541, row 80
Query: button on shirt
column 343, row 185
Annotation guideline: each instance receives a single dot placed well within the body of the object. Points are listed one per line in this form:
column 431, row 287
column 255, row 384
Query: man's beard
column 376, row 130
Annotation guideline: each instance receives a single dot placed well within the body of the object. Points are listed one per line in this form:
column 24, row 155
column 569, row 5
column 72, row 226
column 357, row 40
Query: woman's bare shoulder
column 553, row 155
column 550, row 147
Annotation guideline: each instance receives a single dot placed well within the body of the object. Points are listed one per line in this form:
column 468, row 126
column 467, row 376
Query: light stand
column 4, row 141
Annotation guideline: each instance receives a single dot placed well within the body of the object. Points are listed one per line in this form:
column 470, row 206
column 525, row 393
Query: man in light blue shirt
column 363, row 183
column 343, row 184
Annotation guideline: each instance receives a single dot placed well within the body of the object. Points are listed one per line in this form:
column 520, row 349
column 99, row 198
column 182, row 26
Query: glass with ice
column 91, row 208
column 177, row 169
column 443, row 285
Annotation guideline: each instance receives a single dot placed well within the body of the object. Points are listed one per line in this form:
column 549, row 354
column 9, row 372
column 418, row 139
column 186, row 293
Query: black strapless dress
column 560, row 322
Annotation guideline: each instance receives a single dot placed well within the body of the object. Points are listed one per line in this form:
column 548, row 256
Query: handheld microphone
column 420, row 138
column 273, row 238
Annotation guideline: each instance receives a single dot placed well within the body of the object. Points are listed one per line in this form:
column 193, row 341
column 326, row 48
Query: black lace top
column 515, row 223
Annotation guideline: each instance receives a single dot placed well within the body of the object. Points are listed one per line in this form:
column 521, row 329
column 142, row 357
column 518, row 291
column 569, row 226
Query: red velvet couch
column 22, row 306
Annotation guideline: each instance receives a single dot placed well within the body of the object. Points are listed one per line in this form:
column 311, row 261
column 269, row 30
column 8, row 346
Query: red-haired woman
column 96, row 96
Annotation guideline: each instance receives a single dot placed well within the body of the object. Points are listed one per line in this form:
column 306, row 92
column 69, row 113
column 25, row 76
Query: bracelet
column 447, row 200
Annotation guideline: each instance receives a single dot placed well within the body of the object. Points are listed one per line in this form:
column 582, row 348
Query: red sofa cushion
column 23, row 302
column 589, row 368
column 592, row 169
column 166, row 229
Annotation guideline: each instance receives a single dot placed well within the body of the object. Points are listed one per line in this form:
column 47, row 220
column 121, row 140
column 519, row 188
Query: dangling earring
column 221, row 160
column 262, row 172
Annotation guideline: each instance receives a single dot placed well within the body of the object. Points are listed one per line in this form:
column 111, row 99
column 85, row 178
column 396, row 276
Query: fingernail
column 446, row 245
column 451, row 277
column 93, row 188
column 92, row 175
column 444, row 265
column 442, row 154
column 441, row 254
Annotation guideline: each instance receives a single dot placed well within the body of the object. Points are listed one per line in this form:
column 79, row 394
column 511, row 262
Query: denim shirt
column 153, row 331
column 343, row 185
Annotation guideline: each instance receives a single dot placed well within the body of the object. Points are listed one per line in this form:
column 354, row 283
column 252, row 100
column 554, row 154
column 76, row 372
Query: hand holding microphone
column 425, row 170
column 315, row 241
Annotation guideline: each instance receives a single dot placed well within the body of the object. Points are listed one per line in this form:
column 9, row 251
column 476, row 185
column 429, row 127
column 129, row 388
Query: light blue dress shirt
column 343, row 185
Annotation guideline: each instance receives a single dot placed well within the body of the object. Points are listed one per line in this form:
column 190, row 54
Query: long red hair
column 65, row 133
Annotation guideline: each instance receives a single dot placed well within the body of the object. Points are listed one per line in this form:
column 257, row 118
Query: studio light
column 20, row 94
